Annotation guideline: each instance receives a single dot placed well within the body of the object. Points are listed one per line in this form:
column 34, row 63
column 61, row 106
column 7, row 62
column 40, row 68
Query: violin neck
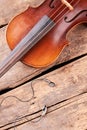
column 37, row 33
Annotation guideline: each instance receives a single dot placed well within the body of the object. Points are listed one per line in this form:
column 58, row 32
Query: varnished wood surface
column 66, row 102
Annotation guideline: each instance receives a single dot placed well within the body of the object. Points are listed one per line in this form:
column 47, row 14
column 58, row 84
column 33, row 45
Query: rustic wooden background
column 66, row 102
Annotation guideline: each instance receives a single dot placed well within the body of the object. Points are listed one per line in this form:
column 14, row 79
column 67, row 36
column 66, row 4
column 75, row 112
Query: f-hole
column 79, row 13
column 51, row 5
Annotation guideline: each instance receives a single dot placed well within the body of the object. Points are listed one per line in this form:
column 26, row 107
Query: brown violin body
column 50, row 46
column 38, row 36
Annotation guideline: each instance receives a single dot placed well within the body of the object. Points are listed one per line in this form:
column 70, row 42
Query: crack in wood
column 85, row 92
column 3, row 25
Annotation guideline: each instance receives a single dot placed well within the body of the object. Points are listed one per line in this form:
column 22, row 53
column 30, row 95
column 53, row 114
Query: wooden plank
column 72, row 116
column 10, row 8
column 20, row 73
column 70, row 81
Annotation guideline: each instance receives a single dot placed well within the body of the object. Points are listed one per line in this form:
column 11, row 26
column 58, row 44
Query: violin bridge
column 67, row 4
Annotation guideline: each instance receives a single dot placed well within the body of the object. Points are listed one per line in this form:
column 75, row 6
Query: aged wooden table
column 61, row 90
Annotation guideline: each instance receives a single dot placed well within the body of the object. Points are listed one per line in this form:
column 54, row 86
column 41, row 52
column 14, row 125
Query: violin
column 37, row 36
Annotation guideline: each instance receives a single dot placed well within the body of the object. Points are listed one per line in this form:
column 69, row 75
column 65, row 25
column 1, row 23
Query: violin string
column 67, row 11
column 49, row 25
column 52, row 21
column 59, row 9
column 42, row 32
column 63, row 10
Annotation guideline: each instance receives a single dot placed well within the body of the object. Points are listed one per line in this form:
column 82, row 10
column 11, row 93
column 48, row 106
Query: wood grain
column 10, row 8
column 70, row 82
column 66, row 102
column 21, row 73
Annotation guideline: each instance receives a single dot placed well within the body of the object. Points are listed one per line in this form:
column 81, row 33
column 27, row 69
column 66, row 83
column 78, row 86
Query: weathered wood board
column 72, row 116
column 67, row 99
column 10, row 8
column 66, row 102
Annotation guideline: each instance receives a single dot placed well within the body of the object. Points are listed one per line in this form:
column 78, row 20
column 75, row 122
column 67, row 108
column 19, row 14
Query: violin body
column 47, row 50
